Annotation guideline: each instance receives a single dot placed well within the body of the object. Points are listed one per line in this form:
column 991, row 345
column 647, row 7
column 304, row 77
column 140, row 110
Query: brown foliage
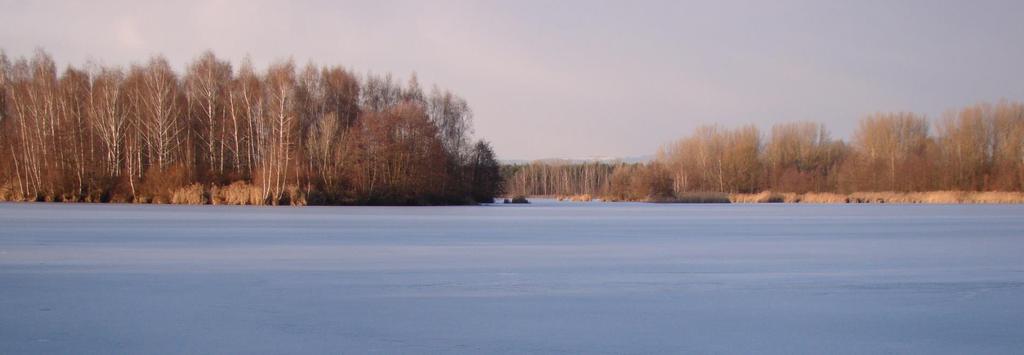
column 395, row 155
column 891, row 158
column 148, row 135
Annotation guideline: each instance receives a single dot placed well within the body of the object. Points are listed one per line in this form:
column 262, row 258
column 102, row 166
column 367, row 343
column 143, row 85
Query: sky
column 571, row 79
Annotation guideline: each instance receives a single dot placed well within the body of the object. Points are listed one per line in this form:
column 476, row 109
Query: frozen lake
column 542, row 278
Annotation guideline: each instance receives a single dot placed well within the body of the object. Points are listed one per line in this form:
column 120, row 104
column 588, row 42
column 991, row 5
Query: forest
column 224, row 134
column 979, row 148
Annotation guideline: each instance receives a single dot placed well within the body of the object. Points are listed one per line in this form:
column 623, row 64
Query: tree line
column 316, row 134
column 977, row 148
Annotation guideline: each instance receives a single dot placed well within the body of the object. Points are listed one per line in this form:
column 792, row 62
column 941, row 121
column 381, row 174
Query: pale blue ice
column 542, row 278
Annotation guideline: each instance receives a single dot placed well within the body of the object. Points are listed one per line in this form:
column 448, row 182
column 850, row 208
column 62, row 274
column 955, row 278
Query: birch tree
column 161, row 121
column 206, row 82
column 108, row 117
column 280, row 118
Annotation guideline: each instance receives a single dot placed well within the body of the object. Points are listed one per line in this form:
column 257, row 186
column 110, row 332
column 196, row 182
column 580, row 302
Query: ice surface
column 548, row 277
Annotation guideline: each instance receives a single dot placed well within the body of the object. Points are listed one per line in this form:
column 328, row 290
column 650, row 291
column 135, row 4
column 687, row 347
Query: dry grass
column 997, row 197
column 215, row 195
column 701, row 197
column 242, row 193
column 879, row 197
column 189, row 195
column 931, row 197
column 823, row 197
column 295, row 195
column 749, row 198
column 119, row 198
column 765, row 197
column 238, row 193
column 69, row 198
column 577, row 198
column 10, row 193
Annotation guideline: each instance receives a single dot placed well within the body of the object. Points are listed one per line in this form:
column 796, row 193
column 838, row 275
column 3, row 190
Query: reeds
column 189, row 195
column 576, row 198
column 9, row 193
column 823, row 197
column 930, row 197
column 765, row 197
column 699, row 197
column 238, row 193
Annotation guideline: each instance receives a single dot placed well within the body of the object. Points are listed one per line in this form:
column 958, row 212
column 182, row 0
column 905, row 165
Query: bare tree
column 206, row 82
column 965, row 143
column 108, row 117
column 379, row 93
column 281, row 121
column 801, row 157
column 161, row 122
column 453, row 117
column 74, row 155
column 322, row 144
column 1007, row 147
column 246, row 101
column 890, row 147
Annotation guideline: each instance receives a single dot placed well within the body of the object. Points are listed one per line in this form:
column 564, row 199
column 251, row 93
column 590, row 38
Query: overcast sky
column 586, row 78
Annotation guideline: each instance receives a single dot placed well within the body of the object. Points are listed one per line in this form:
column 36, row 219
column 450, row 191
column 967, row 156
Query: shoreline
column 880, row 197
column 238, row 193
